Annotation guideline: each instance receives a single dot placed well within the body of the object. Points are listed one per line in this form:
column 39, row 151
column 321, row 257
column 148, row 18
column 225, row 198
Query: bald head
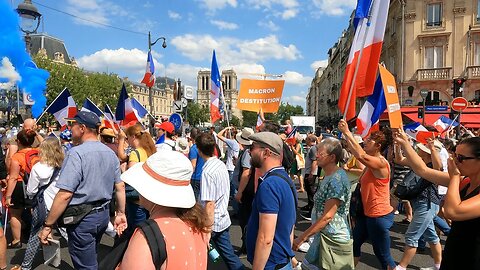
column 29, row 123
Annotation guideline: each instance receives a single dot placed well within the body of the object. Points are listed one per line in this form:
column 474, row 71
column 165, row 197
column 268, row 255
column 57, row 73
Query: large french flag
column 369, row 116
column 124, row 112
column 368, row 42
column 418, row 132
column 149, row 78
column 444, row 123
column 63, row 107
column 89, row 106
column 215, row 113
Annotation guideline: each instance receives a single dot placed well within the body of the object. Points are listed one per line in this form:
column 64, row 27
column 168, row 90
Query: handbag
column 335, row 255
column 73, row 214
column 300, row 162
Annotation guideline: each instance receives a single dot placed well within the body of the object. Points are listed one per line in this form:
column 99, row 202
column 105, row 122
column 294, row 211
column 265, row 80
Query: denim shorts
column 422, row 223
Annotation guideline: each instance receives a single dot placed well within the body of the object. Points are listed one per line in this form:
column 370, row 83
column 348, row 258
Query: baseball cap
column 167, row 126
column 88, row 119
column 270, row 140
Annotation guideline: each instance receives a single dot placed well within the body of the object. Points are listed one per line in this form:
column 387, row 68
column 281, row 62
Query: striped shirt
column 215, row 186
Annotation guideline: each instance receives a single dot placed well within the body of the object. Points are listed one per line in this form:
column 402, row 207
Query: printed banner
column 391, row 95
column 27, row 99
column 256, row 95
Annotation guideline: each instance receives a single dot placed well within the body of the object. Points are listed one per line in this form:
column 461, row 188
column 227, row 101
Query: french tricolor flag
column 260, row 119
column 129, row 110
column 89, row 106
column 418, row 132
column 369, row 116
column 149, row 78
column 110, row 121
column 444, row 123
column 364, row 53
column 215, row 113
column 63, row 107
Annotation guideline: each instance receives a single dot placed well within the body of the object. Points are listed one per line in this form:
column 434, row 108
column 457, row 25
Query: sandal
column 15, row 267
column 16, row 245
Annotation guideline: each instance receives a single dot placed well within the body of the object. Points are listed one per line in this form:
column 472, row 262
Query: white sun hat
column 163, row 179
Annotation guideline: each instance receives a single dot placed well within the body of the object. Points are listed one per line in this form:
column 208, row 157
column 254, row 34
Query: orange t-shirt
column 20, row 158
column 375, row 194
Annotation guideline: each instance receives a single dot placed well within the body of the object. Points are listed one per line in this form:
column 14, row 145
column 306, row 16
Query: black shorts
column 18, row 197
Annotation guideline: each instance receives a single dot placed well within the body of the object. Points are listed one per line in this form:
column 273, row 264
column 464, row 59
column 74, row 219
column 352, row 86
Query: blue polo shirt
column 90, row 171
column 193, row 154
column 274, row 196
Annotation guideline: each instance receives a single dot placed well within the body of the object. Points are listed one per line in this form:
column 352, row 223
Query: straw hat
column 438, row 145
column 163, row 179
column 242, row 136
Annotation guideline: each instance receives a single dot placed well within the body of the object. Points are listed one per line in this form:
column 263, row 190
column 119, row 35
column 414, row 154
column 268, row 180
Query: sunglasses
column 461, row 158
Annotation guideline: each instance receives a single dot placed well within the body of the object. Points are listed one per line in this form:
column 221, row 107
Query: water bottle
column 213, row 254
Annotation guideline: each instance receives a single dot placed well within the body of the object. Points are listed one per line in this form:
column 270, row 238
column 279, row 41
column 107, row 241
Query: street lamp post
column 30, row 20
column 150, row 93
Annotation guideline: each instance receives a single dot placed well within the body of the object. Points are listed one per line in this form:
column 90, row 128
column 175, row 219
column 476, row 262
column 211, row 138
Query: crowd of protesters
column 89, row 180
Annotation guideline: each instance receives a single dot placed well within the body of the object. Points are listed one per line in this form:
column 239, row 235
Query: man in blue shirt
column 89, row 174
column 197, row 163
column 271, row 224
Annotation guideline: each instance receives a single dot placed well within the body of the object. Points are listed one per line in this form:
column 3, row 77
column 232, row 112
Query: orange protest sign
column 391, row 95
column 260, row 94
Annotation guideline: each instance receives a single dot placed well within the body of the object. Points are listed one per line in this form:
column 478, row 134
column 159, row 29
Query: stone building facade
column 162, row 97
column 230, row 90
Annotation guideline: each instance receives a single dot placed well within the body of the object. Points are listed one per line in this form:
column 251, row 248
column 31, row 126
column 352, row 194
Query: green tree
column 249, row 118
column 101, row 88
column 197, row 114
column 286, row 110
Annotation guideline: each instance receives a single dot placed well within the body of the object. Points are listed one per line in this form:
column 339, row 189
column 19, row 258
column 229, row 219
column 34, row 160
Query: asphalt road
column 368, row 260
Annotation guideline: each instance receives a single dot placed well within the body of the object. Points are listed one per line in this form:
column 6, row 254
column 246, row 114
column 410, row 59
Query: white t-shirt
column 232, row 152
column 443, row 157
column 168, row 145
column 40, row 176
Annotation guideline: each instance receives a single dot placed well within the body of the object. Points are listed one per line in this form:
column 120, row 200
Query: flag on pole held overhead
column 444, row 123
column 63, row 107
column 215, row 113
column 109, row 121
column 361, row 70
column 129, row 111
column 291, row 139
column 418, row 132
column 89, row 106
column 149, row 77
column 369, row 116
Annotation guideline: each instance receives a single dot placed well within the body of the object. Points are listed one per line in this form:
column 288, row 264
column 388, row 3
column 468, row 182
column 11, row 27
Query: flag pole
column 44, row 111
column 451, row 124
column 224, row 104
column 358, row 62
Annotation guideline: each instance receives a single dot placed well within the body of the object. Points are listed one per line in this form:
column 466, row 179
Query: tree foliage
column 100, row 88
column 197, row 114
column 284, row 112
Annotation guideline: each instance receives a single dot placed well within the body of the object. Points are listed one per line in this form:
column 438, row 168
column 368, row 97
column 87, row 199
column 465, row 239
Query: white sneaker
column 428, row 268
column 304, row 247
column 298, row 267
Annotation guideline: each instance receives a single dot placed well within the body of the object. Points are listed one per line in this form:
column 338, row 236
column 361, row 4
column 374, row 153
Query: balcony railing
column 473, row 72
column 430, row 74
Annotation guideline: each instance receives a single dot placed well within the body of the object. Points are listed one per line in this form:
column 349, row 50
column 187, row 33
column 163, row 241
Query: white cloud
column 246, row 70
column 289, row 14
column 174, row 15
column 335, row 7
column 295, row 100
column 269, row 25
column 200, row 47
column 292, row 77
column 320, row 63
column 7, row 71
column 286, row 9
column 213, row 5
column 94, row 10
column 186, row 73
column 122, row 61
column 223, row 25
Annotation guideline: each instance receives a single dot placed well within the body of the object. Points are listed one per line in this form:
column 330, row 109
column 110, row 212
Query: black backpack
column 155, row 241
column 411, row 186
column 288, row 157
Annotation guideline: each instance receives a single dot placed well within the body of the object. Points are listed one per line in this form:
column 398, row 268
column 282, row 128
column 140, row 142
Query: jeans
column 135, row 215
column 84, row 237
column 287, row 267
column 378, row 230
column 221, row 241
column 441, row 224
column 311, row 188
column 196, row 188
column 422, row 223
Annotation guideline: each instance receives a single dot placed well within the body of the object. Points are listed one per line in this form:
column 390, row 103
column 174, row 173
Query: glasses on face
column 462, row 158
column 322, row 155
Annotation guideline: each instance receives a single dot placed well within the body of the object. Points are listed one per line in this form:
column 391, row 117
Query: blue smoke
column 12, row 46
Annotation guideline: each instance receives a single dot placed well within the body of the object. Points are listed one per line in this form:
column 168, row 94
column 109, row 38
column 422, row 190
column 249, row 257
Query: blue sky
column 289, row 37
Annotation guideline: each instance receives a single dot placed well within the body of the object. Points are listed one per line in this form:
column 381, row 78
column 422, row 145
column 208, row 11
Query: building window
column 476, row 54
column 478, row 10
column 433, row 57
column 434, row 15
column 477, row 95
column 433, row 98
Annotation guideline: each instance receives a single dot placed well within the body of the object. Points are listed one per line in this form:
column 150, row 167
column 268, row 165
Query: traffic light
column 458, row 85
column 420, row 113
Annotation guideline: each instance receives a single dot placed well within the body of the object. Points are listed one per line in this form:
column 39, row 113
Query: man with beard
column 89, row 173
column 271, row 224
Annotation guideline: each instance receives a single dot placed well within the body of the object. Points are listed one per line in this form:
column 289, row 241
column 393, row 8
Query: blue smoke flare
column 12, row 46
